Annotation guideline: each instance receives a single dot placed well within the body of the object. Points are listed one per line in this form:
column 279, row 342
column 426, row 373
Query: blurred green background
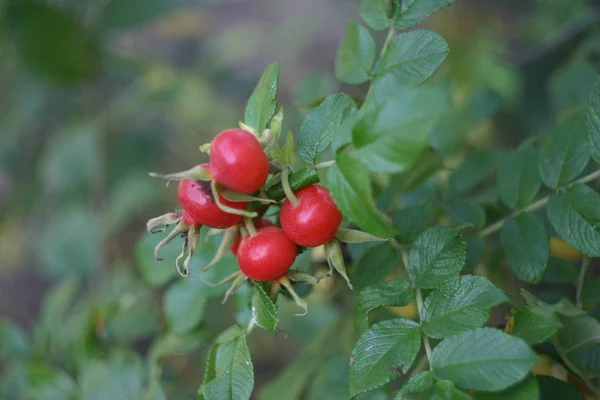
column 96, row 93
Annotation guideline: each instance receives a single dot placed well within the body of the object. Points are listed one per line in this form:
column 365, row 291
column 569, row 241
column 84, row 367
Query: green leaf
column 350, row 187
column 119, row 378
column 387, row 344
column 464, row 211
column 321, row 124
column 288, row 156
column 571, row 84
column 392, row 129
column 445, row 390
column 69, row 54
column 171, row 344
column 417, row 383
column 565, row 154
column 575, row 216
column 413, row 11
column 593, row 123
column 459, row 304
column 411, row 221
column 232, row 377
column 397, row 292
column 184, row 304
column 476, row 166
column 591, row 290
column 375, row 265
column 556, row 389
column 355, row 56
column 332, row 381
column 13, row 340
column 525, row 390
column 414, row 55
column 263, row 309
column 375, row 13
column 560, row 271
column 482, row 359
column 518, row 177
column 578, row 332
column 438, row 254
column 526, row 246
column 154, row 272
column 262, row 103
column 535, row 325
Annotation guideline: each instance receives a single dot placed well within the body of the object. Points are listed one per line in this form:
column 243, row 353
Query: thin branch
column 496, row 226
column 582, row 272
column 390, row 34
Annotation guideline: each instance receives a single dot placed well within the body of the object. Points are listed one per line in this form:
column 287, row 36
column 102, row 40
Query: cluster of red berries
column 230, row 193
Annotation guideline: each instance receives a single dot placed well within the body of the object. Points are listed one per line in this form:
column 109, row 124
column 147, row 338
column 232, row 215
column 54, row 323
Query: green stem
column 496, row 226
column 249, row 226
column 287, row 189
column 324, row 164
column 426, row 344
column 582, row 272
column 390, row 34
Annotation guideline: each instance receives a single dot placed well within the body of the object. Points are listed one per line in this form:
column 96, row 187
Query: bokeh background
column 96, row 93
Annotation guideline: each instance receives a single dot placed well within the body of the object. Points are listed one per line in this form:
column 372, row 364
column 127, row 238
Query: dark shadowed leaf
column 593, row 123
column 375, row 265
column 483, row 359
column 411, row 221
column 397, row 292
column 535, row 325
column 565, row 153
column 575, row 216
column 526, row 246
column 518, row 177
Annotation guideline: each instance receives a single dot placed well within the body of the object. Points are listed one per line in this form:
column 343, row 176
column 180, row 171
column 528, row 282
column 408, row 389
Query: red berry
column 314, row 220
column 258, row 224
column 266, row 255
column 187, row 219
column 197, row 200
column 238, row 162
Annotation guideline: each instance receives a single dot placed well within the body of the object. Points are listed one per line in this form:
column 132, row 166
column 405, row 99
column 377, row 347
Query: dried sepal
column 335, row 259
column 226, row 243
column 248, row 128
column 238, row 281
column 179, row 229
column 239, row 197
column 160, row 224
column 298, row 276
column 354, row 236
column 266, row 138
column 285, row 282
column 205, row 148
column 192, row 240
column 224, row 208
column 182, row 271
column 197, row 173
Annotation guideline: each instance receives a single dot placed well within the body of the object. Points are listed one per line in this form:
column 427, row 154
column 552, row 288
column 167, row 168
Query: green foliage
column 375, row 13
column 479, row 360
column 228, row 373
column 397, row 292
column 394, row 342
column 414, row 55
column 525, row 243
column 320, row 125
column 575, row 215
column 458, row 305
column 264, row 312
column 593, row 123
column 518, row 177
column 350, row 188
column 355, row 55
column 535, row 325
column 262, row 105
column 438, row 254
column 565, row 153
column 412, row 11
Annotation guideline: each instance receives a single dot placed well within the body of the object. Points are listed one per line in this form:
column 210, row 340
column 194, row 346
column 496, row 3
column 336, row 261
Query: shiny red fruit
column 197, row 200
column 238, row 162
column 258, row 224
column 267, row 255
column 187, row 219
column 314, row 220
